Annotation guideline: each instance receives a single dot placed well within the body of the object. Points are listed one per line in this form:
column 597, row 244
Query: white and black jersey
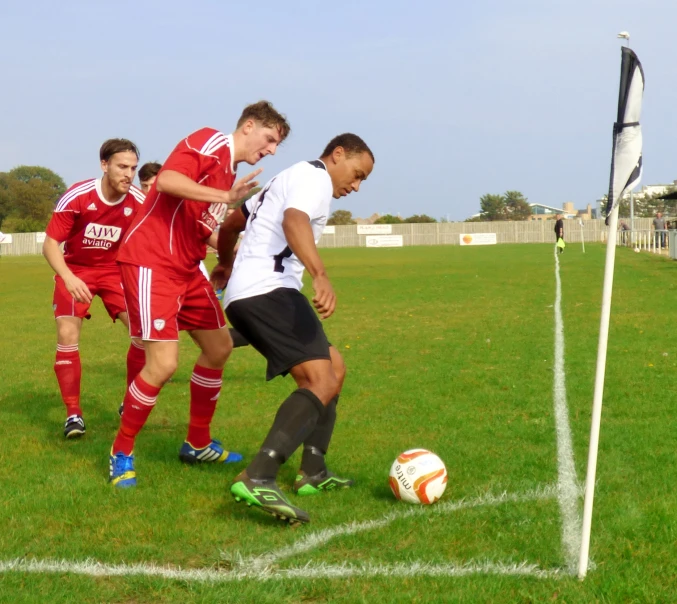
column 264, row 261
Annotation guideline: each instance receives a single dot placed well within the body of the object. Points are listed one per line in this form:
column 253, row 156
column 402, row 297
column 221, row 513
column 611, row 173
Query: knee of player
column 326, row 388
column 218, row 353
column 223, row 355
column 67, row 334
column 339, row 372
column 162, row 368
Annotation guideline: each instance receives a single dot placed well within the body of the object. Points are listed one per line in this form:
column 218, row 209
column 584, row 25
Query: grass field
column 447, row 348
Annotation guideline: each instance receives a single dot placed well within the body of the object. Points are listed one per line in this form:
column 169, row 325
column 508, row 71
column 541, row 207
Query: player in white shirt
column 263, row 302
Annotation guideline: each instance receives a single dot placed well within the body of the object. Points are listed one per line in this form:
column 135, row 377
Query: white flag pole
column 599, row 392
column 582, row 235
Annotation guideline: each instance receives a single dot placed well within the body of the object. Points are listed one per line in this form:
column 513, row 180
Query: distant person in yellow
column 559, row 233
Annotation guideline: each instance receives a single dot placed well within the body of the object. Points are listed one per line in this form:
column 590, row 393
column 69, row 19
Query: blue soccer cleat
column 212, row 453
column 121, row 470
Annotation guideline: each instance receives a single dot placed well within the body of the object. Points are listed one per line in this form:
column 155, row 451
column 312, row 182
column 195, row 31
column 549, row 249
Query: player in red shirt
column 166, row 292
column 148, row 174
column 91, row 219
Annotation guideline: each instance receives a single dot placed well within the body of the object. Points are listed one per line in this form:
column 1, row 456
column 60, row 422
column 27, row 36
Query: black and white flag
column 626, row 158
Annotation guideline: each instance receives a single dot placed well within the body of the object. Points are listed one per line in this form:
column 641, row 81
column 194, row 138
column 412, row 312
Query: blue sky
column 455, row 99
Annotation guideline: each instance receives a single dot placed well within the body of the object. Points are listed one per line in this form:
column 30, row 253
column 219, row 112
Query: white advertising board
column 385, row 241
column 477, row 238
column 374, row 229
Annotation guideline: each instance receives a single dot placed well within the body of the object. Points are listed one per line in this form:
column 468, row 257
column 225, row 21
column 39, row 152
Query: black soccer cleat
column 74, row 426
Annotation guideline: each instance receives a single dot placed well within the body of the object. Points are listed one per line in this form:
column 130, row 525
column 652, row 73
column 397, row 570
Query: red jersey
column 91, row 227
column 170, row 233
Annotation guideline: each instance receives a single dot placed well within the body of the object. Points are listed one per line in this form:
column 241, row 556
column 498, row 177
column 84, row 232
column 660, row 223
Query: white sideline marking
column 568, row 487
column 319, row 538
column 93, row 568
column 263, row 567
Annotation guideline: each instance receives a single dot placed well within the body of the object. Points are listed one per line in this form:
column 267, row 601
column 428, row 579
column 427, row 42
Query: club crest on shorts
column 127, row 211
column 159, row 324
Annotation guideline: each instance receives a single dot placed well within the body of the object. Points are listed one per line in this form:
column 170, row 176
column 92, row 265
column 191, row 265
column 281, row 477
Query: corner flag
column 626, row 171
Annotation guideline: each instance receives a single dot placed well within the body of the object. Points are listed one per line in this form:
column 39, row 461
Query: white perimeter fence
column 438, row 233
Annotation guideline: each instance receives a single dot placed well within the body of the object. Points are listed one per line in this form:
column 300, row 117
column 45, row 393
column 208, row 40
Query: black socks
column 295, row 421
column 316, row 445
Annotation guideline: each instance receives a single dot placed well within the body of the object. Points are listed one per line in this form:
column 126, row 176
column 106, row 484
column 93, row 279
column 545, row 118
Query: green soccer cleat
column 266, row 495
column 323, row 481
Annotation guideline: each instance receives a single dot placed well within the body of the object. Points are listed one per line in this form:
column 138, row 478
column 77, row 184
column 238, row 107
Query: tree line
column 512, row 205
column 27, row 197
column 344, row 217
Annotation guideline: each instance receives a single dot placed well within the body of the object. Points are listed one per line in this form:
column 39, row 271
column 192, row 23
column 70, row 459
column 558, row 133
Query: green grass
column 447, row 348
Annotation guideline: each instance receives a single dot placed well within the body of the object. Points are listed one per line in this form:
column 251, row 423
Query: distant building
column 373, row 218
column 540, row 211
column 651, row 190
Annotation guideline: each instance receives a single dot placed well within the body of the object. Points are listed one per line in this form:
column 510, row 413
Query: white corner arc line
column 567, row 482
column 320, row 538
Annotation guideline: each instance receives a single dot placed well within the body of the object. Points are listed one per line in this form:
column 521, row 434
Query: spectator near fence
column 623, row 228
column 659, row 227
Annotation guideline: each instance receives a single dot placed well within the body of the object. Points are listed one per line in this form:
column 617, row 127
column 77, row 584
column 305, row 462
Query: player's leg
column 313, row 476
column 152, row 303
column 205, row 386
column 285, row 329
column 201, row 315
column 295, row 420
column 67, row 367
column 68, row 370
column 136, row 354
column 297, row 417
column 161, row 362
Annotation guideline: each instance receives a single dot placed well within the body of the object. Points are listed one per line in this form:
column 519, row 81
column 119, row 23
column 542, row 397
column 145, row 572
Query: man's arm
column 299, row 235
column 179, row 185
column 229, row 231
column 76, row 287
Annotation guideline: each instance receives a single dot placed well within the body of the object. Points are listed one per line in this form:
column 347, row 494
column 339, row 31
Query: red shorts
column 159, row 306
column 102, row 282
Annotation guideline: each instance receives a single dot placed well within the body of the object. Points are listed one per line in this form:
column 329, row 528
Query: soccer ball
column 418, row 476
column 637, row 250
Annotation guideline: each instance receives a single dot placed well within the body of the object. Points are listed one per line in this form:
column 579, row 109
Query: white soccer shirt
column 264, row 261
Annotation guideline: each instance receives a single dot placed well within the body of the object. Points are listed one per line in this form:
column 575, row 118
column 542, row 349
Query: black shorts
column 282, row 326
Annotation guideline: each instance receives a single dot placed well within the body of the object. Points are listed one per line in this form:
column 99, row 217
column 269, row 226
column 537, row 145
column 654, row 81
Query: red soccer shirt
column 91, row 227
column 170, row 233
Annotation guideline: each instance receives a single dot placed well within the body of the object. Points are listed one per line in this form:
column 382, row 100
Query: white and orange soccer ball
column 418, row 476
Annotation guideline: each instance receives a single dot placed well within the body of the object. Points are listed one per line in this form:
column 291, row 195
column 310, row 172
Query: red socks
column 205, row 385
column 139, row 402
column 68, row 373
